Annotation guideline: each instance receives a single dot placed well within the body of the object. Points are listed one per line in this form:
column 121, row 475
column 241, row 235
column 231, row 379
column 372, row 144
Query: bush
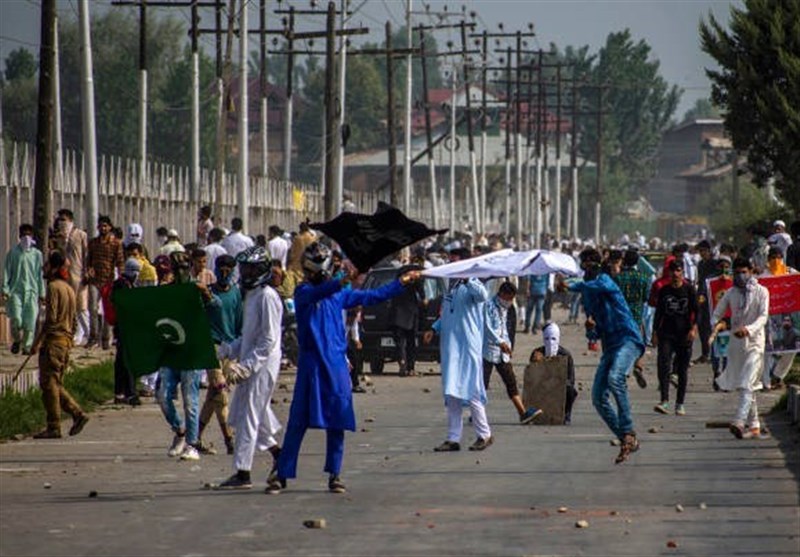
column 23, row 413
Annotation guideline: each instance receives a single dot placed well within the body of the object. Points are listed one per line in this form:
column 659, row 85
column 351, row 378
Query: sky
column 670, row 27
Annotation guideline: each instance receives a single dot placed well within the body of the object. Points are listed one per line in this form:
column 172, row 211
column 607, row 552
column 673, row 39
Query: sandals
column 630, row 444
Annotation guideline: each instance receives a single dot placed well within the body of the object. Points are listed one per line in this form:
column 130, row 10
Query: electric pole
column 87, row 111
column 44, row 125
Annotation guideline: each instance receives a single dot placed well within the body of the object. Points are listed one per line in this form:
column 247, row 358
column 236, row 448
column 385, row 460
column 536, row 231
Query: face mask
column 777, row 266
column 740, row 279
column 504, row 303
column 162, row 239
column 27, row 242
column 223, row 279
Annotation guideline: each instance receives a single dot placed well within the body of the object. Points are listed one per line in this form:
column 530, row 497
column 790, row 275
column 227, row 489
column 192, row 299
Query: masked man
column 23, row 289
column 551, row 334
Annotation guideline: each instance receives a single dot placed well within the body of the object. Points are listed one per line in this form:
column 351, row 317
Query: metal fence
column 163, row 198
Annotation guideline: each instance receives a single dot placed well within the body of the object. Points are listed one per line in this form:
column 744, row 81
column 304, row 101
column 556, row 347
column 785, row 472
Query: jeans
column 190, row 389
column 610, row 380
column 667, row 346
column 535, row 308
column 574, row 306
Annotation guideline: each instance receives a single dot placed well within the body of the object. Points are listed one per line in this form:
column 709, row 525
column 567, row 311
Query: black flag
column 366, row 239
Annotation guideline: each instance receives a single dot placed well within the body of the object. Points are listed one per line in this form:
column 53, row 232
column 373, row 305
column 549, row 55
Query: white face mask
column 27, row 242
column 552, row 338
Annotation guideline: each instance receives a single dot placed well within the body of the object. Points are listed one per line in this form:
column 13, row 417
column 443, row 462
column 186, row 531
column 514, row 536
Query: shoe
column 15, row 348
column 178, row 444
column 120, row 399
column 630, row 444
column 189, row 453
column 526, row 330
column 447, row 446
column 146, row 392
column 202, row 448
column 78, row 424
column 134, row 401
column 48, row 434
column 737, row 430
column 716, row 385
column 700, row 360
column 335, row 484
column 529, row 415
column 359, row 389
column 638, row 374
column 680, row 410
column 662, row 408
column 567, row 420
column 275, row 484
column 756, row 433
column 481, row 444
column 240, row 480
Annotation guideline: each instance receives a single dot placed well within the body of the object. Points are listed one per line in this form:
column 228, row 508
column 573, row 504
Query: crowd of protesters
column 247, row 284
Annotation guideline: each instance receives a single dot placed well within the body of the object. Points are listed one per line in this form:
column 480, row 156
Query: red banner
column 784, row 293
column 716, row 287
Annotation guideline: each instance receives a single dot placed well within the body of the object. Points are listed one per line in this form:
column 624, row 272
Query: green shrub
column 23, row 413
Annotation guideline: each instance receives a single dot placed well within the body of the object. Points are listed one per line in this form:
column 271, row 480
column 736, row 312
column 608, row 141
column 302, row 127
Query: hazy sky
column 669, row 26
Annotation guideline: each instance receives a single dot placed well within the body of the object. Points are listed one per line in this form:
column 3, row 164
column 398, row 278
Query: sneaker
column 78, row 424
column 240, row 480
column 359, row 389
column 662, row 408
column 275, row 484
column 134, row 401
column 530, row 415
column 447, row 446
column 737, row 430
column 700, row 360
column 629, row 445
column 48, row 434
column 202, row 448
column 481, row 444
column 178, row 444
column 15, row 348
column 189, row 453
column 680, row 410
column 638, row 374
column 335, row 484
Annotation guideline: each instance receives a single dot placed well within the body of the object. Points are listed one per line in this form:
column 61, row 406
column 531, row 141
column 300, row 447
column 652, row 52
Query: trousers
column 53, row 362
column 455, row 422
column 295, row 431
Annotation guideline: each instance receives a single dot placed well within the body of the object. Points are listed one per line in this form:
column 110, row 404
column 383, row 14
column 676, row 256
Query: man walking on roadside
column 23, row 289
column 55, row 340
column 104, row 256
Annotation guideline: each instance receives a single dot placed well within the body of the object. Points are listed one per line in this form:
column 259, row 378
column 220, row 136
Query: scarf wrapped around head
column 747, row 290
column 134, row 234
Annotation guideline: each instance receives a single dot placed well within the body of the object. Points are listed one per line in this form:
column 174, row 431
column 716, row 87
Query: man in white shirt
column 214, row 249
column 236, row 242
column 780, row 239
column 278, row 247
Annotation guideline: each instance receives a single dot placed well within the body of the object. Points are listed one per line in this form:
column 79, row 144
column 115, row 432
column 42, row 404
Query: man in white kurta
column 748, row 302
column 258, row 352
column 460, row 330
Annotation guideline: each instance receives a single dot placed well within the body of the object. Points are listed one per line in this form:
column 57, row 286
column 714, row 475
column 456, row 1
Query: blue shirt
column 225, row 314
column 538, row 284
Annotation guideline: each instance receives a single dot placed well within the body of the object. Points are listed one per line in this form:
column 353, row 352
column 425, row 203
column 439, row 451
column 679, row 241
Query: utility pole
column 453, row 143
column 428, row 134
column 262, row 42
column 224, row 89
column 484, row 118
column 339, row 190
column 87, row 110
column 573, row 159
column 289, row 113
column 44, row 124
column 558, row 154
column 393, row 193
column 507, row 194
column 58, row 147
column 598, row 190
column 332, row 124
column 407, row 139
column 471, row 140
column 195, row 174
column 142, row 94
column 244, row 144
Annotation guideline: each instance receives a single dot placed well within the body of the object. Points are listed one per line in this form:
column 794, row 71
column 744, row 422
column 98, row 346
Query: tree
column 758, row 85
column 20, row 64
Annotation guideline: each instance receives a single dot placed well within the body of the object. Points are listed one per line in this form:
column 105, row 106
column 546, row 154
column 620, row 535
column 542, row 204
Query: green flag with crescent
column 163, row 326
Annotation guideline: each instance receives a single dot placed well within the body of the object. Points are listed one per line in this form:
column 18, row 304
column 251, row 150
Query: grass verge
column 23, row 413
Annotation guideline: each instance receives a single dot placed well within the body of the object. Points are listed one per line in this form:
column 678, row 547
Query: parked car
column 377, row 340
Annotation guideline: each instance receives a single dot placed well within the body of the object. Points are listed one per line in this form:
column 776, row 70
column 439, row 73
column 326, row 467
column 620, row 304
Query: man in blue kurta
column 609, row 316
column 23, row 287
column 460, row 329
column 323, row 392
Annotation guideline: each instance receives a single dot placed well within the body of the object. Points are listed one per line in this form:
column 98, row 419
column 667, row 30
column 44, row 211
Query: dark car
column 377, row 339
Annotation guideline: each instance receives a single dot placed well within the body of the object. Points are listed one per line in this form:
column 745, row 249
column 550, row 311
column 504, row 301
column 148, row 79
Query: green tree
column 20, row 64
column 758, row 86
column 703, row 108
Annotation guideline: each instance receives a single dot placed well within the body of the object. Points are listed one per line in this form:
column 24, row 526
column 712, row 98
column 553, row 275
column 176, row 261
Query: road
column 736, row 497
